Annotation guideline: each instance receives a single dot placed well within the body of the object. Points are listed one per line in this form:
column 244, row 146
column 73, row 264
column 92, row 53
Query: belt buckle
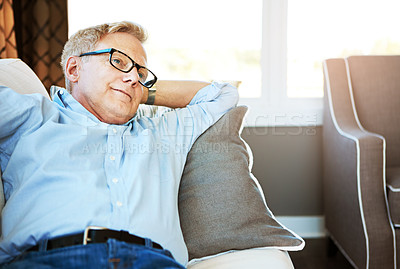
column 86, row 237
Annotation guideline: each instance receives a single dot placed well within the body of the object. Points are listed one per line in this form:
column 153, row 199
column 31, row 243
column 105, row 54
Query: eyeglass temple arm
column 96, row 52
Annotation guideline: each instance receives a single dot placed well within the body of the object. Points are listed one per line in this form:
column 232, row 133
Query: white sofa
column 15, row 74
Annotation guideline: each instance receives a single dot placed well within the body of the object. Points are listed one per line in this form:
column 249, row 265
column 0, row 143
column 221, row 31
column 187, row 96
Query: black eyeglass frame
column 134, row 64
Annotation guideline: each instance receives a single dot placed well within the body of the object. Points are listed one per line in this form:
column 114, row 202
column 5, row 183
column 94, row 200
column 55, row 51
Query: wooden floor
column 315, row 256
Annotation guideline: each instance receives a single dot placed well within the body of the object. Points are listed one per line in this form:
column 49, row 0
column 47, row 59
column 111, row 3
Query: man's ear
column 72, row 69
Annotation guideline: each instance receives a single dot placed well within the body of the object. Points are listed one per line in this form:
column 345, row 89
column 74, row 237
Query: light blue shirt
column 64, row 170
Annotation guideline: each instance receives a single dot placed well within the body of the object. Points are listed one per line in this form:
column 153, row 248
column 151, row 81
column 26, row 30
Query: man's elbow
column 232, row 93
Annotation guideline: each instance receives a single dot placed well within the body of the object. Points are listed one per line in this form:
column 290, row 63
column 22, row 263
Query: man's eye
column 120, row 61
column 117, row 61
column 142, row 75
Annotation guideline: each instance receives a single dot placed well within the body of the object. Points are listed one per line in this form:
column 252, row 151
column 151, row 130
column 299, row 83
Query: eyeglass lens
column 123, row 63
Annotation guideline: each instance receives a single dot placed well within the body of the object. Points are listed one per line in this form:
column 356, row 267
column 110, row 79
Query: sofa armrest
column 18, row 76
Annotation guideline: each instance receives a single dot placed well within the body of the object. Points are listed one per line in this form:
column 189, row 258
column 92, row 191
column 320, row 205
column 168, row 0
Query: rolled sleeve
column 210, row 104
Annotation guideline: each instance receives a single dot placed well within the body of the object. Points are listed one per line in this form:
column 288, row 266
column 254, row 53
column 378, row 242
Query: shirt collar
column 64, row 99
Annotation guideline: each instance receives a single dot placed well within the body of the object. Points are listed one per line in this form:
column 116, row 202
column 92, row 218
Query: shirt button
column 112, row 158
column 115, row 180
column 114, row 130
column 119, row 204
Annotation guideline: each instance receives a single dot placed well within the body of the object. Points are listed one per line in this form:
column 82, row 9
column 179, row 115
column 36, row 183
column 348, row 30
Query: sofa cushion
column 221, row 204
column 249, row 258
column 393, row 193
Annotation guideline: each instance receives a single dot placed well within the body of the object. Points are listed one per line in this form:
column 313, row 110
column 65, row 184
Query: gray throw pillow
column 221, row 204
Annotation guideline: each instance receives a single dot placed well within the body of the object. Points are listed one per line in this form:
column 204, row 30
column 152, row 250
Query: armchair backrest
column 375, row 85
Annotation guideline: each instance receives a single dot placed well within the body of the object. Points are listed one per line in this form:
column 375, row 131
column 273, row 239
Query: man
column 88, row 182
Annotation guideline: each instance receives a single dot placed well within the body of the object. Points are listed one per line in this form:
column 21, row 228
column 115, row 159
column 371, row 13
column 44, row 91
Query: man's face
column 109, row 94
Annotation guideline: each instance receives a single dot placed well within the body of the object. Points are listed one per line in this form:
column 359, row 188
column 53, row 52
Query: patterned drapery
column 41, row 32
column 8, row 48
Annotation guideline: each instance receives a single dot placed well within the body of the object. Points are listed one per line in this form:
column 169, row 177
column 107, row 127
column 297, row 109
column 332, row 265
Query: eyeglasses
column 125, row 64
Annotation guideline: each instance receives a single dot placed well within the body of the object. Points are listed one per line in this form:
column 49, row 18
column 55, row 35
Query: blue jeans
column 113, row 254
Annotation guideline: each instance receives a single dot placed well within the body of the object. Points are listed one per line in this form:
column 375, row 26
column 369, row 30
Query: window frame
column 274, row 107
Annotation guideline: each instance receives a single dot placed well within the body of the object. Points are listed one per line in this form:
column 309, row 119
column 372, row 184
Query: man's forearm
column 175, row 93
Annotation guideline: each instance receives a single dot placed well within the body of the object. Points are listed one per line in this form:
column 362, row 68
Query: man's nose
column 132, row 76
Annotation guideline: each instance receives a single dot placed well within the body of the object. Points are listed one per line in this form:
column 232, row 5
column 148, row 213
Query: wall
column 288, row 165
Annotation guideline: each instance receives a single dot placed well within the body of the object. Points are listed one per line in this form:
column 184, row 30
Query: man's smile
column 123, row 92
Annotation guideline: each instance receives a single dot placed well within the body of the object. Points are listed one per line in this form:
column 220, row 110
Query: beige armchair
column 361, row 152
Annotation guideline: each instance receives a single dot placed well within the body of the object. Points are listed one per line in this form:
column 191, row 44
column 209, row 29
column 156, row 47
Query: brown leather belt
column 94, row 234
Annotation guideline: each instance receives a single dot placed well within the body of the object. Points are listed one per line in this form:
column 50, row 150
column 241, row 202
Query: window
column 320, row 29
column 201, row 40
column 274, row 47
